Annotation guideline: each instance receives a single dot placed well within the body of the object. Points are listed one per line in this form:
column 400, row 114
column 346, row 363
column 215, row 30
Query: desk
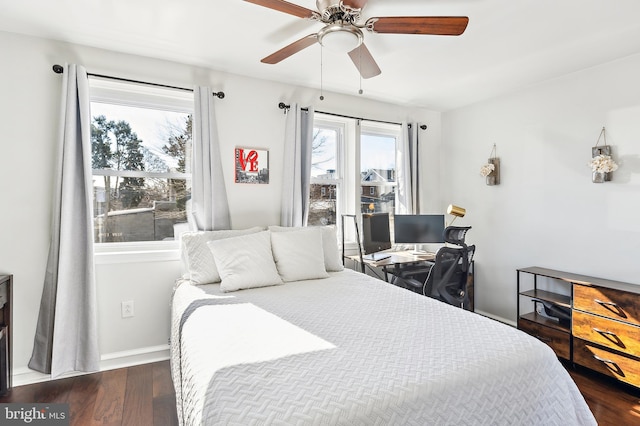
column 395, row 259
column 399, row 259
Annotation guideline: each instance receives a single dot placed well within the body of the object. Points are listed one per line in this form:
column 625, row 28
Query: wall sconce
column 601, row 162
column 491, row 170
column 456, row 212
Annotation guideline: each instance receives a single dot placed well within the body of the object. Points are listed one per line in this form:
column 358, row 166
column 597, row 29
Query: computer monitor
column 418, row 228
column 375, row 233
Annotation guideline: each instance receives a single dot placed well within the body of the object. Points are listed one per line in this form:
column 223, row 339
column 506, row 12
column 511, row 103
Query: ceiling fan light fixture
column 340, row 38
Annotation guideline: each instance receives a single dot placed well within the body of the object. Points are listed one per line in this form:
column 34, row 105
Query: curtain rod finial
column 220, row 95
column 284, row 107
column 58, row 69
column 423, row 127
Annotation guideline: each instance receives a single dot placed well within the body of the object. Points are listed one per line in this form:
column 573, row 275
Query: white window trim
column 136, row 252
column 141, row 174
column 140, row 95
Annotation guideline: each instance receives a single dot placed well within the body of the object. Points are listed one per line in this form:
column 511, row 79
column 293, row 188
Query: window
column 141, row 141
column 378, row 170
column 353, row 168
column 326, row 172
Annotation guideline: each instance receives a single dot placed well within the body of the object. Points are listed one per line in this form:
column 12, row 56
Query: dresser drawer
column 609, row 303
column 612, row 334
column 619, row 366
column 558, row 340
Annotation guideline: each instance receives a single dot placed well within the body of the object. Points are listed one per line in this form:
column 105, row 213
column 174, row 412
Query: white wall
column 546, row 212
column 29, row 105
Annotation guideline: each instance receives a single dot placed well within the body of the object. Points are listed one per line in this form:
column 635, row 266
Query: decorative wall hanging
column 491, row 170
column 252, row 165
column 601, row 162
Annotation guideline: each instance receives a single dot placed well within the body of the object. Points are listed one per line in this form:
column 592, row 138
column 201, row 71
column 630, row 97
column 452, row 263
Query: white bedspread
column 352, row 350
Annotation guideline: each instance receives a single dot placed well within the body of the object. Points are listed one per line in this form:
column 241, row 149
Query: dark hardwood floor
column 612, row 403
column 143, row 395
column 137, row 396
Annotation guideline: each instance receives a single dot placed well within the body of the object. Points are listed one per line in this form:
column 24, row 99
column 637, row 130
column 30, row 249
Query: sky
column 377, row 152
column 151, row 125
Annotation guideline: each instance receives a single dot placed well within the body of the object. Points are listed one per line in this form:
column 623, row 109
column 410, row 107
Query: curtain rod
column 58, row 69
column 286, row 107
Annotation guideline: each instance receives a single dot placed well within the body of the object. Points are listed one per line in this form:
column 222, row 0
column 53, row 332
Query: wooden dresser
column 603, row 332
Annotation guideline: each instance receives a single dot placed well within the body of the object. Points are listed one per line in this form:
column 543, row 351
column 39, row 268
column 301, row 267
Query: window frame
column 144, row 96
column 375, row 129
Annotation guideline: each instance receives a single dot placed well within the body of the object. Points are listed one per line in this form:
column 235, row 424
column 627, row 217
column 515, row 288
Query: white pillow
column 198, row 258
column 332, row 255
column 299, row 254
column 245, row 262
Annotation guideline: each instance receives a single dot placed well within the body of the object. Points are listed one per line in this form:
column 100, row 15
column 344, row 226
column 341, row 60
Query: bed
column 349, row 349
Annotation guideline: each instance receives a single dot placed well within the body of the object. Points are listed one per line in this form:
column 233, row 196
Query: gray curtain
column 209, row 205
column 296, row 176
column 66, row 336
column 408, row 201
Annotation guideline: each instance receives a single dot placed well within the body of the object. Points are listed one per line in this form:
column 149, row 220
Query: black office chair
column 447, row 279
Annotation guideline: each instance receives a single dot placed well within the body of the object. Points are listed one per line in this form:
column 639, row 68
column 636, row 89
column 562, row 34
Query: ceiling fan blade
column 286, row 7
column 289, row 50
column 435, row 25
column 355, row 4
column 365, row 63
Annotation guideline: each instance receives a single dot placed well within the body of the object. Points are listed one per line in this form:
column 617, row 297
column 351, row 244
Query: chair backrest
column 455, row 234
column 447, row 280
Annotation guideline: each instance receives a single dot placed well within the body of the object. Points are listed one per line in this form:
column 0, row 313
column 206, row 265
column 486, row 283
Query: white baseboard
column 497, row 318
column 25, row 376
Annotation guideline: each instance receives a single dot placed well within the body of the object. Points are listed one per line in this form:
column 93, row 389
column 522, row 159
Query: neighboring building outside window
column 141, row 142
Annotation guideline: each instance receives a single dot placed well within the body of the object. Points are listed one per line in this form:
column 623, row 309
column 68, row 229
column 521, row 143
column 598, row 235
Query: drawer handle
column 607, row 361
column 613, row 307
column 611, row 336
column 611, row 365
column 602, row 302
column 610, row 333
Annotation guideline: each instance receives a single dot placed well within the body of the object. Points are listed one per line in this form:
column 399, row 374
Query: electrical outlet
column 127, row 308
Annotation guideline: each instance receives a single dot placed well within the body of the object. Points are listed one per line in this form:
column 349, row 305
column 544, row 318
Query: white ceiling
column 508, row 43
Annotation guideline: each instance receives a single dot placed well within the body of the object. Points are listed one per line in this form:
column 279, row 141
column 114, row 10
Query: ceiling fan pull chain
column 359, row 68
column 321, row 83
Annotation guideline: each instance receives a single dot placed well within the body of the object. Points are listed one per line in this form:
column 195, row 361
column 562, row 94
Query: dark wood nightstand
column 6, row 294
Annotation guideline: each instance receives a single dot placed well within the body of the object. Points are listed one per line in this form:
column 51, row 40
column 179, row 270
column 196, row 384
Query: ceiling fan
column 343, row 32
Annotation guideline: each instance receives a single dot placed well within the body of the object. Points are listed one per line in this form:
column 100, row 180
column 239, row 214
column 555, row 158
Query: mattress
column 354, row 350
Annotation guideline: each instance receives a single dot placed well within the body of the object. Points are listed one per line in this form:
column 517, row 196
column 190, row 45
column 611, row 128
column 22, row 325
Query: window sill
column 153, row 251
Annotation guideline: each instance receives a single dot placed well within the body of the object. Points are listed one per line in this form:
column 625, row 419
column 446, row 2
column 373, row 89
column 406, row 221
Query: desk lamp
column 456, row 212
